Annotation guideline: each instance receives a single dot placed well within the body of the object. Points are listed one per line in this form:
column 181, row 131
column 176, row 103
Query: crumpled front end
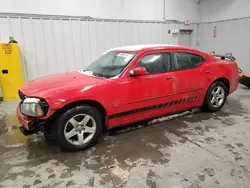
column 30, row 125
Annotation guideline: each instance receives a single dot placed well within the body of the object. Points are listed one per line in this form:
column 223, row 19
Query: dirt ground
column 188, row 150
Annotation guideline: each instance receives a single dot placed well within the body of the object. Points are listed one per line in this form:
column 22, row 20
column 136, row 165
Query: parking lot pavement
column 189, row 150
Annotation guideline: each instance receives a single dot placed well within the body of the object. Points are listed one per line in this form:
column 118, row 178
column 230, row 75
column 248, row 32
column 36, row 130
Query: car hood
column 49, row 85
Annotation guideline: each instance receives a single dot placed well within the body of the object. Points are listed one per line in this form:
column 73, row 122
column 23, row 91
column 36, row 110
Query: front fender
column 60, row 102
column 107, row 95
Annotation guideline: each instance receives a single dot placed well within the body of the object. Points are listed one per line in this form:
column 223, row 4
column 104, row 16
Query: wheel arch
column 205, row 106
column 220, row 79
column 223, row 80
column 92, row 103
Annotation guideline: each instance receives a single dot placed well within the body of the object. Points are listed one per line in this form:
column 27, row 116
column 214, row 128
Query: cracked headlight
column 31, row 107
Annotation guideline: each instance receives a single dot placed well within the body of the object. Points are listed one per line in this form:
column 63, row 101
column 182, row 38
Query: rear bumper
column 234, row 83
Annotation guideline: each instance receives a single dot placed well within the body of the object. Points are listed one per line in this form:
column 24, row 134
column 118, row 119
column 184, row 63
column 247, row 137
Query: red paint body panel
column 125, row 93
column 24, row 120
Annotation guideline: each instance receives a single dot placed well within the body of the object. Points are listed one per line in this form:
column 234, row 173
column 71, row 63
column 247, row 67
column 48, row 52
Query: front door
column 148, row 95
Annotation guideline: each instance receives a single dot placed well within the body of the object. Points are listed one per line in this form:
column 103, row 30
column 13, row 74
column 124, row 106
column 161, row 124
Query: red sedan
column 123, row 86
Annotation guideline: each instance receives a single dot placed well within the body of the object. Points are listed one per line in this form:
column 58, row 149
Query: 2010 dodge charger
column 123, row 86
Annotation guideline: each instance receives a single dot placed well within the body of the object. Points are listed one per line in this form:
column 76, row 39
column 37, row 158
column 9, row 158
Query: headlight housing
column 32, row 107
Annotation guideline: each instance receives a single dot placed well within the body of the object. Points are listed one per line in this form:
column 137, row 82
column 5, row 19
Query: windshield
column 110, row 64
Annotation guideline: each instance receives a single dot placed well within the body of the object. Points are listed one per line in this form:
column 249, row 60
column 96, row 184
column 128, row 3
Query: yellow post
column 11, row 75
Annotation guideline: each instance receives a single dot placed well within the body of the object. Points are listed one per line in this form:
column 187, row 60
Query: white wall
column 232, row 37
column 182, row 10
column 215, row 10
column 116, row 9
column 54, row 45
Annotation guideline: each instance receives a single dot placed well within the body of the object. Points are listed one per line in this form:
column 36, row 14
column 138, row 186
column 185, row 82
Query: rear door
column 191, row 76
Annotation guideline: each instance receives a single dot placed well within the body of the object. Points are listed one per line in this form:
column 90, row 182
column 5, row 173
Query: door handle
column 207, row 72
column 169, row 78
column 5, row 71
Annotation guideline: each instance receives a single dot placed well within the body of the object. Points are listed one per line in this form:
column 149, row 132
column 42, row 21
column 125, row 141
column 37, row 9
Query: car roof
column 149, row 47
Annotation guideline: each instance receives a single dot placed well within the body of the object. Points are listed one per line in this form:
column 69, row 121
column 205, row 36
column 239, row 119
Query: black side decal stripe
column 157, row 106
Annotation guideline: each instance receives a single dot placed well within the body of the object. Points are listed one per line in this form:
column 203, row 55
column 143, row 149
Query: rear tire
column 215, row 97
column 78, row 128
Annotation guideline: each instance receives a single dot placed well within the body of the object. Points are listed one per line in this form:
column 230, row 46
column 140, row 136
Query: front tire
column 215, row 97
column 49, row 131
column 79, row 128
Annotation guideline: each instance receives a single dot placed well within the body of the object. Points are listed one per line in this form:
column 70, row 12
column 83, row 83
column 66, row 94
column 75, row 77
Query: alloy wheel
column 80, row 129
column 217, row 96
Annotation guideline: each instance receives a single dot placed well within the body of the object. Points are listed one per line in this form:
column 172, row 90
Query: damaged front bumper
column 30, row 125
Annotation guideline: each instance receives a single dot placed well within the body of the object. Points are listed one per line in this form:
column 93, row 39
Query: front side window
column 109, row 64
column 187, row 60
column 156, row 63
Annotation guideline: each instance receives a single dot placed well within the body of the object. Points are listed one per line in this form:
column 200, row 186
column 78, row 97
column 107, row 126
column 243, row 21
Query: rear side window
column 187, row 60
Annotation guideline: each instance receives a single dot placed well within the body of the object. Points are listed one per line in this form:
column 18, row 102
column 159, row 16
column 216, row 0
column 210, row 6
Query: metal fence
column 52, row 44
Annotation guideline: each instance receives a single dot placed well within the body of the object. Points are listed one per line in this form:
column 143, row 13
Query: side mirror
column 138, row 71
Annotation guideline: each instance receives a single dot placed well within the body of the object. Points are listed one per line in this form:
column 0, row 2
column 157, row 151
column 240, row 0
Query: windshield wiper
column 90, row 72
column 97, row 74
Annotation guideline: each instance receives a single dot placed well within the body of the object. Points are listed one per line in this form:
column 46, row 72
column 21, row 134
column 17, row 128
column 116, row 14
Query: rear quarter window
column 187, row 60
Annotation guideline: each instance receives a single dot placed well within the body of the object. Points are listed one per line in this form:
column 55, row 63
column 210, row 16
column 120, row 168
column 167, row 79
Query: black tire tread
column 206, row 105
column 62, row 120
